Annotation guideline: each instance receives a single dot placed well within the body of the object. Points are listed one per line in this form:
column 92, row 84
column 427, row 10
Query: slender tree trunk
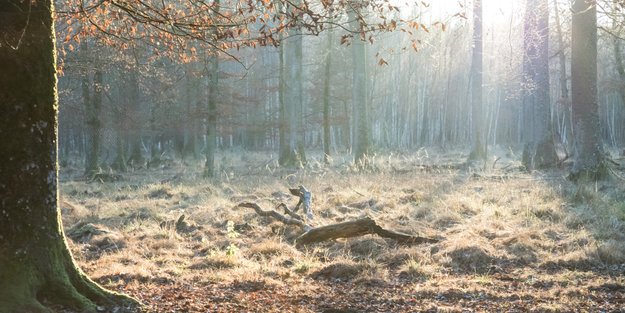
column 35, row 262
column 190, row 140
column 298, row 92
column 119, row 163
column 293, row 152
column 136, row 159
column 326, row 99
column 478, row 144
column 362, row 136
column 565, row 101
column 588, row 153
column 211, row 127
column 618, row 59
column 286, row 152
column 92, row 120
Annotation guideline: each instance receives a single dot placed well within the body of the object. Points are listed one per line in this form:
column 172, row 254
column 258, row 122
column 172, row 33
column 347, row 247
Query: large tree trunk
column 35, row 262
column 540, row 151
column 478, row 144
column 588, row 153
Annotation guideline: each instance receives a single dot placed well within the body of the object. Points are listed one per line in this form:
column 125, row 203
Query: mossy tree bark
column 588, row 153
column 35, row 262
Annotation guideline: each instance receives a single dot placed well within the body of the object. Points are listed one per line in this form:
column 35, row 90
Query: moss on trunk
column 35, row 262
column 44, row 274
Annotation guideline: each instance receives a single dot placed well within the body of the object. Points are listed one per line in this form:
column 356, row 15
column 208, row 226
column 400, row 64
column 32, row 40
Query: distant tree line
column 346, row 90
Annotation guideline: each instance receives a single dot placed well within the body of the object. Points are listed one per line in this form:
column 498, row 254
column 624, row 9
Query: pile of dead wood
column 310, row 235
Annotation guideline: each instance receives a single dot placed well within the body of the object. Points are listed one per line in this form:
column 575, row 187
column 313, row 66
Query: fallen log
column 360, row 227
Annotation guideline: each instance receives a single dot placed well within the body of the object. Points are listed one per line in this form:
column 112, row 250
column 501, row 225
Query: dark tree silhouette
column 35, row 262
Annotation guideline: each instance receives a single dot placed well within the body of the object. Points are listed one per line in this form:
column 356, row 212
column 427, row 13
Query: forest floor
column 510, row 241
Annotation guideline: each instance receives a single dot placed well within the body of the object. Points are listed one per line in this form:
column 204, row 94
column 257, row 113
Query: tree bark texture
column 540, row 149
column 35, row 262
column 588, row 152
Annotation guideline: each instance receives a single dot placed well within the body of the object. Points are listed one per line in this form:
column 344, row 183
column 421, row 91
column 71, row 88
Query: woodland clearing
column 509, row 241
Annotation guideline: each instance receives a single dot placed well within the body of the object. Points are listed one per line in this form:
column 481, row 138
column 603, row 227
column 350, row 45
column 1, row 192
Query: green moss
column 18, row 285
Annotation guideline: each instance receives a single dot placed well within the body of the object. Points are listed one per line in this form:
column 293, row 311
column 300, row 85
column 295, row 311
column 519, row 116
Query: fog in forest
column 313, row 156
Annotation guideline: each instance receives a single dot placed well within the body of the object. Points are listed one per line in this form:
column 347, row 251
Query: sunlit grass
column 485, row 223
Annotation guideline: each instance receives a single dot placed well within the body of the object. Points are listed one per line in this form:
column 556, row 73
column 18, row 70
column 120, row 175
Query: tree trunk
column 565, row 102
column 326, row 100
column 35, row 262
column 540, row 149
column 119, row 164
column 92, row 109
column 359, row 96
column 293, row 152
column 478, row 144
column 618, row 59
column 286, row 152
column 190, row 136
column 588, row 154
column 136, row 159
column 211, row 127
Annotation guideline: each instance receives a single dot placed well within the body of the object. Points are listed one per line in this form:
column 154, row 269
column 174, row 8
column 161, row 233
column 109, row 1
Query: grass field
column 509, row 240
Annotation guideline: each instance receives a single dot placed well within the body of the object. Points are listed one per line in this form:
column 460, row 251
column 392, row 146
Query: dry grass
column 494, row 222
